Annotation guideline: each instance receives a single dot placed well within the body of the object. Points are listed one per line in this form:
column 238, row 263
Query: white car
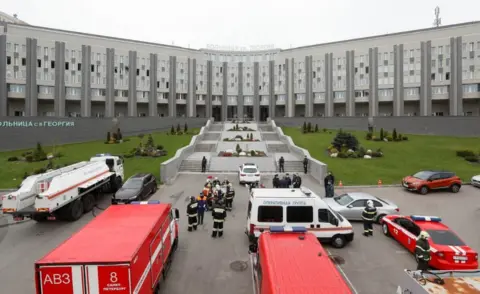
column 248, row 173
column 476, row 181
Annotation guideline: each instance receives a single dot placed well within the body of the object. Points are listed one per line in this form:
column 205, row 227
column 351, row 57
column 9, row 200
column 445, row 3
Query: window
column 52, row 64
column 299, row 214
column 443, row 237
column 325, row 216
column 377, row 204
column 359, row 203
column 343, row 199
column 9, row 60
column 24, row 61
column 270, row 214
column 79, row 66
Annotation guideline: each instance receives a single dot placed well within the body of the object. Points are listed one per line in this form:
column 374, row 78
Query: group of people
column 281, row 164
column 286, row 181
column 213, row 198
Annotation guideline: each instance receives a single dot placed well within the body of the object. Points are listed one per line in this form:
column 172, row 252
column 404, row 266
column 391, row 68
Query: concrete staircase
column 205, row 147
column 231, row 164
column 211, row 136
column 293, row 166
column 216, row 128
column 265, row 128
column 270, row 137
column 191, row 165
column 277, row 148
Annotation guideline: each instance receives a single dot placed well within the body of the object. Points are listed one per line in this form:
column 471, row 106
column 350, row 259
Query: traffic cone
column 340, row 184
column 379, row 183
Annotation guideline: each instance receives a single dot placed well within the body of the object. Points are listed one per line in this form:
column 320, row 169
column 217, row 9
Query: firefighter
column 219, row 215
column 369, row 215
column 218, row 192
column 225, row 182
column 422, row 251
column 192, row 213
column 281, row 163
column 204, row 164
column 289, row 180
column 283, row 183
column 207, row 183
column 276, row 181
column 216, row 182
column 329, row 183
column 305, row 164
column 202, row 207
column 297, row 181
column 229, row 197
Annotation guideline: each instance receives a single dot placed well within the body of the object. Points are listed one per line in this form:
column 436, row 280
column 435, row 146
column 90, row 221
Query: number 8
column 113, row 277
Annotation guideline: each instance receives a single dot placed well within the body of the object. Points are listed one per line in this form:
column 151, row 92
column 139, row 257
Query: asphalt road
column 203, row 265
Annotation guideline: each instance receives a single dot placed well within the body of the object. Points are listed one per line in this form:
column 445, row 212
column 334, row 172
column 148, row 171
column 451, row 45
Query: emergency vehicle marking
column 282, row 203
column 62, row 279
column 257, row 229
column 153, row 258
column 407, row 233
column 76, row 185
column 108, row 278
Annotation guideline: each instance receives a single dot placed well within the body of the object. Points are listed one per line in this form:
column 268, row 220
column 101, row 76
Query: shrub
column 386, row 134
column 114, row 137
column 316, row 128
column 39, row 171
column 29, row 158
column 333, row 150
column 472, row 158
column 252, row 153
column 126, row 139
column 172, row 130
column 251, row 136
column 465, row 153
column 381, row 134
column 352, row 155
column 394, row 134
column 178, row 128
column 238, row 149
column 141, row 136
column 27, row 153
column 389, row 138
column 325, row 130
column 13, row 158
column 377, row 139
column 38, row 153
column 405, row 138
column 377, row 154
column 369, row 136
column 345, row 140
column 361, row 152
column 185, row 128
column 108, row 137
column 160, row 147
column 239, row 137
column 25, row 175
column 128, row 155
column 304, row 129
column 342, row 155
column 180, row 133
column 150, row 142
column 119, row 134
column 309, row 127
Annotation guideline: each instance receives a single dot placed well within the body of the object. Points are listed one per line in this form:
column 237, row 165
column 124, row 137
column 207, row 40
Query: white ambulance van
column 296, row 208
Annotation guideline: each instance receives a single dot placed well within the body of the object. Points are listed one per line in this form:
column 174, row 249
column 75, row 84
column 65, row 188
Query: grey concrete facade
column 31, row 92
column 132, row 83
column 225, row 90
column 256, row 96
column 350, row 83
column 271, row 90
column 172, row 95
column 308, row 87
column 152, row 98
column 373, row 87
column 240, row 101
column 456, row 95
column 3, row 76
column 110, row 88
column 59, row 90
column 328, row 85
column 208, row 101
column 86, row 90
column 191, row 96
column 398, row 91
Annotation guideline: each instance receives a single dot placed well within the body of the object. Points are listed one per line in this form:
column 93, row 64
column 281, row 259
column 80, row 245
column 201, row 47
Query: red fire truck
column 292, row 261
column 127, row 249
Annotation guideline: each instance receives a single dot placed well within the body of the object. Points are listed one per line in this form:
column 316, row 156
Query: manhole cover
column 239, row 266
column 337, row 259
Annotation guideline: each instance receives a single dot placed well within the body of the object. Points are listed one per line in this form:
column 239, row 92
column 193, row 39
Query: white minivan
column 296, row 208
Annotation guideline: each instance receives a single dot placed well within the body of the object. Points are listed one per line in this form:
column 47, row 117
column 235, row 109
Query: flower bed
column 345, row 145
column 238, row 128
column 240, row 138
column 251, row 153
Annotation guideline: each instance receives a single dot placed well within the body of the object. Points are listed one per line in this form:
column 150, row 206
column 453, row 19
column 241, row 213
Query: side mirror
column 177, row 213
column 350, row 206
column 252, row 248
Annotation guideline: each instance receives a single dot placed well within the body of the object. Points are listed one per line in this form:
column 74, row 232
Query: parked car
column 248, row 173
column 476, row 181
column 426, row 181
column 351, row 205
column 138, row 187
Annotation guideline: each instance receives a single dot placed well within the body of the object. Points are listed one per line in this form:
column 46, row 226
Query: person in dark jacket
column 192, row 213
column 276, row 181
column 297, row 181
column 283, row 183
column 281, row 164
column 230, row 194
column 305, row 164
column 202, row 207
column 422, row 251
column 369, row 215
column 219, row 215
column 204, row 164
column 289, row 180
column 329, row 183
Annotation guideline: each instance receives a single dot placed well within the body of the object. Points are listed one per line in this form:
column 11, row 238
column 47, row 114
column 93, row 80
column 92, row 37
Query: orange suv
column 426, row 181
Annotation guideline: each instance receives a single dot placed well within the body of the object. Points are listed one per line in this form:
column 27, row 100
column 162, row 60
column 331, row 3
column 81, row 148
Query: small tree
column 39, row 154
column 172, row 130
column 150, row 142
column 251, row 136
column 316, row 128
column 304, row 127
column 394, row 134
column 108, row 137
column 309, row 127
column 382, row 135
column 178, row 128
column 236, row 127
column 185, row 128
column 119, row 134
column 238, row 149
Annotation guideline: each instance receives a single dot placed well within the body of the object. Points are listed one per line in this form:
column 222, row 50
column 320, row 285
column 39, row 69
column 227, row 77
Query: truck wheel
column 75, row 210
column 88, row 202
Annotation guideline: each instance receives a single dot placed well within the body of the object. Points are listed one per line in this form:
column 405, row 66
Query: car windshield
column 442, row 237
column 133, row 184
column 343, row 199
column 249, row 170
column 423, row 175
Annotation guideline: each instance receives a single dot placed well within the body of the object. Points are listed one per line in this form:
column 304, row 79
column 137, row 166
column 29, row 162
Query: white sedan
column 476, row 181
column 248, row 173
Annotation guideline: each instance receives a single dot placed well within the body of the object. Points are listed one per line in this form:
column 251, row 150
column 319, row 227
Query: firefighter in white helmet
column 422, row 251
column 369, row 215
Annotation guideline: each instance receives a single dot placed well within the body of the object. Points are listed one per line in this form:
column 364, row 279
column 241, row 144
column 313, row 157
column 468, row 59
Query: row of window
column 294, row 214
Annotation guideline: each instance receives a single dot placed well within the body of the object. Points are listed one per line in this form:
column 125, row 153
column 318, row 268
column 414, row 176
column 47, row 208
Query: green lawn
column 400, row 158
column 11, row 173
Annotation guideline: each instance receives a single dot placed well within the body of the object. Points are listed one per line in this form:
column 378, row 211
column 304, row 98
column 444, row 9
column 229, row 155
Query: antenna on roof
column 438, row 20
column 15, row 15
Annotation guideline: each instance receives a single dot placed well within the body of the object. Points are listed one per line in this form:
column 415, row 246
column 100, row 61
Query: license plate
column 250, row 175
column 460, row 258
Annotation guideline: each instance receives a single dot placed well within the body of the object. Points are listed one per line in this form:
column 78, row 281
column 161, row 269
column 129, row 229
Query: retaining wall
column 170, row 168
column 462, row 126
column 56, row 131
column 317, row 169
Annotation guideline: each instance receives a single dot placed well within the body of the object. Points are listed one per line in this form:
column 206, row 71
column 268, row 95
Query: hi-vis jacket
column 422, row 250
column 202, row 203
column 369, row 214
column 219, row 214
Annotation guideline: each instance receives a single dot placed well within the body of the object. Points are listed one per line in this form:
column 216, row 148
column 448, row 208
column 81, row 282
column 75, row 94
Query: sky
column 284, row 24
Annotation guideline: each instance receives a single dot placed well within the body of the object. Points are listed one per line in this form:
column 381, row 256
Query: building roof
column 11, row 19
column 298, row 266
column 114, row 236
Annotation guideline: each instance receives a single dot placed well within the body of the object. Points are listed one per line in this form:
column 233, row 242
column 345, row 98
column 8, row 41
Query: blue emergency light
column 420, row 218
column 146, row 202
column 279, row 229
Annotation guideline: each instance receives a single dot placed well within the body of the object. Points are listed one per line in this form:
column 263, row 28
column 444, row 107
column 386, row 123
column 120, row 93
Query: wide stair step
column 216, row 128
column 265, row 128
column 205, row 147
column 270, row 137
column 211, row 137
column 293, row 166
column 277, row 148
column 231, row 164
column 191, row 165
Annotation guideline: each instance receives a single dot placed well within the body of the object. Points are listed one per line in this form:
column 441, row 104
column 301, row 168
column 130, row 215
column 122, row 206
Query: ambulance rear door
column 55, row 279
column 108, row 278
